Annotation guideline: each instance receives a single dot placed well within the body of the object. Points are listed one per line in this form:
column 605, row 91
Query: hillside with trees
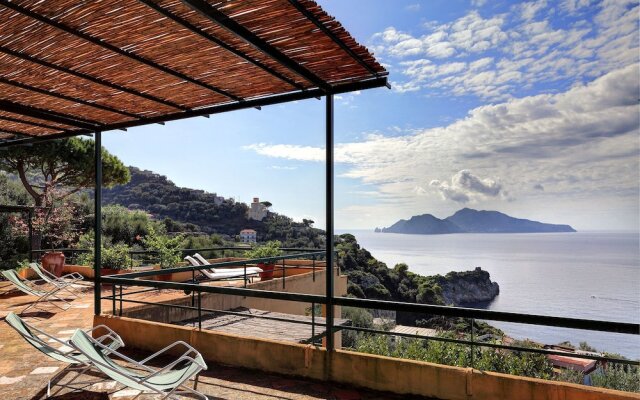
column 199, row 211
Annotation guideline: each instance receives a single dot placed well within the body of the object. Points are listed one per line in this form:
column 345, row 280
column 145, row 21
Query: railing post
column 284, row 273
column 199, row 310
column 30, row 216
column 121, row 300
column 329, row 221
column 245, row 274
column 97, row 225
column 472, row 334
column 313, row 322
column 113, row 298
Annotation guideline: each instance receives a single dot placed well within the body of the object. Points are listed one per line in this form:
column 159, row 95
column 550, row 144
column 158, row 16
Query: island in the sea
column 469, row 220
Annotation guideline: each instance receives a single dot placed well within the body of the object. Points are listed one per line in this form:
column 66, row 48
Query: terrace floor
column 25, row 372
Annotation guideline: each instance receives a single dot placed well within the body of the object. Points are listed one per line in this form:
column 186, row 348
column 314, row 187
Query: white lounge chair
column 64, row 282
column 167, row 381
column 203, row 261
column 45, row 342
column 222, row 273
column 42, row 295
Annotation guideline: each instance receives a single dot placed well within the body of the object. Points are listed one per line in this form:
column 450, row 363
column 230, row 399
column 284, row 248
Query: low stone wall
column 363, row 370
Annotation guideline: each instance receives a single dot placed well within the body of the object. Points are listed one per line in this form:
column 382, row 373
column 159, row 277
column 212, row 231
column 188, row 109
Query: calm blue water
column 580, row 275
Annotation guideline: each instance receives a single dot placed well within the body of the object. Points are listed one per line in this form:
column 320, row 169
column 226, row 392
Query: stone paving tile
column 18, row 361
column 44, row 370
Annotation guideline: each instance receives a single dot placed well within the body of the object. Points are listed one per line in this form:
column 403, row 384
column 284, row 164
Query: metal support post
column 97, row 224
column 329, row 223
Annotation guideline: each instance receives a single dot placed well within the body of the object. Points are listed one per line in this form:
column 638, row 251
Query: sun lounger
column 42, row 295
column 45, row 343
column 217, row 274
column 167, row 381
column 65, row 282
column 203, row 261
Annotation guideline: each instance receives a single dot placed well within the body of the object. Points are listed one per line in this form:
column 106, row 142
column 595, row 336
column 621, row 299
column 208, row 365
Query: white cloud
column 570, row 144
column 471, row 33
column 287, row 151
column 513, row 51
column 413, row 7
column 528, row 10
column 465, row 187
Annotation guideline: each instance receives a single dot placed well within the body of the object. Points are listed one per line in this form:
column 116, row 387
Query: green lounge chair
column 44, row 343
column 42, row 295
column 167, row 381
column 65, row 282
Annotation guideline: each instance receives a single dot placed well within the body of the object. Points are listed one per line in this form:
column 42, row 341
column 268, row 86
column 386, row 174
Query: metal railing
column 149, row 257
column 471, row 314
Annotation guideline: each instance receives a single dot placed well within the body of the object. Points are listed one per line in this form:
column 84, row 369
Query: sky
column 528, row 108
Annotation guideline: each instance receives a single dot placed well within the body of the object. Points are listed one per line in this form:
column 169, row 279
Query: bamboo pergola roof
column 71, row 67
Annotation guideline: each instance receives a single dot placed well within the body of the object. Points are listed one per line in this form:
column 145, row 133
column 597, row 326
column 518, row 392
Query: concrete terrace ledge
column 362, row 370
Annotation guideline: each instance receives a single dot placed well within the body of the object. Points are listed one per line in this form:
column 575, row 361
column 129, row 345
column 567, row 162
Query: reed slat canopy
column 71, row 67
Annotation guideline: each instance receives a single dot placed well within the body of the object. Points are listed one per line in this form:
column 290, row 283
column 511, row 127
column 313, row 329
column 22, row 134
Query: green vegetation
column 190, row 210
column 370, row 278
column 114, row 255
column 51, row 172
column 269, row 249
column 166, row 247
column 516, row 363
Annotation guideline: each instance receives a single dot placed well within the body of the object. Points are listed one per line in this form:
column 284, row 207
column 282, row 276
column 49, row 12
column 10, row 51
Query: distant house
column 248, row 236
column 257, row 211
column 582, row 365
column 217, row 200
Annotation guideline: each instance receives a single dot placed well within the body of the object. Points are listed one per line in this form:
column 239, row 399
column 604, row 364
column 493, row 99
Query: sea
column 589, row 275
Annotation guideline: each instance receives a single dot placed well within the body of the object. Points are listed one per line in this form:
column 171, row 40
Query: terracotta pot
column 53, row 261
column 164, row 277
column 267, row 271
column 26, row 273
column 109, row 271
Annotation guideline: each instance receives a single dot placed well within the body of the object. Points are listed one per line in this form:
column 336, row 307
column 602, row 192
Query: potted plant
column 23, row 269
column 269, row 249
column 114, row 259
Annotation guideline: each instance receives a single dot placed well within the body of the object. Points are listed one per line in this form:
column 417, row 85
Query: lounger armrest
column 184, row 357
column 171, row 346
column 74, row 275
column 110, row 333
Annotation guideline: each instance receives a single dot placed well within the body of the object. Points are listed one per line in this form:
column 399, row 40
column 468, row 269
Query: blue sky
column 530, row 108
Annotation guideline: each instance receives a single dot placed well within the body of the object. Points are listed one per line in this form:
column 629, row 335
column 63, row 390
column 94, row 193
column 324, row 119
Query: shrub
column 269, row 249
column 168, row 248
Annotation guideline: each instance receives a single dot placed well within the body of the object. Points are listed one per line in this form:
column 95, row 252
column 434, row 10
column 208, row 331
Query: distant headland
column 469, row 220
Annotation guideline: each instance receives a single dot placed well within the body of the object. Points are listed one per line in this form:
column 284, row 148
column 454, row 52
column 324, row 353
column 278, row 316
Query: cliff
column 468, row 287
column 370, row 278
column 469, row 220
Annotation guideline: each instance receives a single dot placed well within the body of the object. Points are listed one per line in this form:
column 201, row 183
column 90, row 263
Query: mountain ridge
column 468, row 220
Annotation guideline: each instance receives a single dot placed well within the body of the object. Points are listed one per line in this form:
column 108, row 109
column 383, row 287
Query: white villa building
column 248, row 236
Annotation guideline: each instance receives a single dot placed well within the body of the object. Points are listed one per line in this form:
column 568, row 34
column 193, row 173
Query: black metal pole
column 97, row 224
column 329, row 223
column 30, row 235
